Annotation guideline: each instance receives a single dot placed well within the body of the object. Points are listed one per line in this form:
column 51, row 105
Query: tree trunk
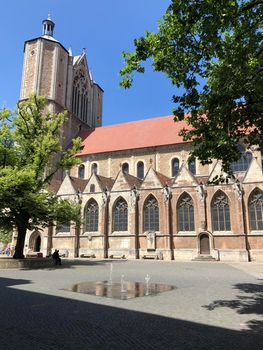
column 19, row 249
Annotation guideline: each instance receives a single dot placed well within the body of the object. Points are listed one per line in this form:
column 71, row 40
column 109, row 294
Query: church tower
column 52, row 71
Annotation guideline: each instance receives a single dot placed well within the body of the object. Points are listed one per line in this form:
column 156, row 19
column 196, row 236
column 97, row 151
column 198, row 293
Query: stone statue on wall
column 134, row 196
column 238, row 189
column 201, row 190
column 167, row 193
column 105, row 196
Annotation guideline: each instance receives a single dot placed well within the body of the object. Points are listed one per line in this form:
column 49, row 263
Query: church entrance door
column 37, row 244
column 204, row 244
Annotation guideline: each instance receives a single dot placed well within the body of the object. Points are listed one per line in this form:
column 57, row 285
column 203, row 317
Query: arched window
column 94, row 168
column 185, row 213
column 120, row 216
column 220, row 212
column 63, row 227
column 91, row 216
column 175, row 167
column 192, row 166
column 140, row 170
column 151, row 215
column 242, row 164
column 125, row 168
column 81, row 171
column 255, row 208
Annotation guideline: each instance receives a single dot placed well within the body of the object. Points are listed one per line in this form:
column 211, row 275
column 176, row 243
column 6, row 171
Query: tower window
column 192, row 166
column 81, row 171
column 140, row 170
column 125, row 168
column 175, row 167
column 94, row 168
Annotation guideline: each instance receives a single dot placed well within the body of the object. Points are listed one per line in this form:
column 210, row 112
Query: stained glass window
column 255, row 208
column 220, row 213
column 120, row 216
column 92, row 216
column 151, row 215
column 185, row 214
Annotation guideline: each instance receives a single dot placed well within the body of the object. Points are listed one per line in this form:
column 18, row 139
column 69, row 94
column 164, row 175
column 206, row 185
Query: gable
column 81, row 71
column 217, row 172
column 66, row 187
column 151, row 180
column 93, row 185
column 120, row 183
column 184, row 177
column 254, row 172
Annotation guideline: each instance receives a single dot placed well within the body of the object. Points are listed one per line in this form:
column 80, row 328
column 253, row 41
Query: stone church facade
column 141, row 194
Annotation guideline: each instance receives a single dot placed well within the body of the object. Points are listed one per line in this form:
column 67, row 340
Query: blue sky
column 105, row 28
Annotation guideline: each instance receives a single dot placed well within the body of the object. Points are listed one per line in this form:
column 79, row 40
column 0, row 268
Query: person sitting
column 56, row 257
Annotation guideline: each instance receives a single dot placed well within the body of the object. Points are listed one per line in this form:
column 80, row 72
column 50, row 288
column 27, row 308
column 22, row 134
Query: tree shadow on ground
column 39, row 321
column 249, row 302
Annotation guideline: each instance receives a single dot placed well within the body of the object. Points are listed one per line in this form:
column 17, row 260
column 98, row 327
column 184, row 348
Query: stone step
column 204, row 258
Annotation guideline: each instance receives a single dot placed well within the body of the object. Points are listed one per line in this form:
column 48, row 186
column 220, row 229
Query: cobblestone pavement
column 215, row 305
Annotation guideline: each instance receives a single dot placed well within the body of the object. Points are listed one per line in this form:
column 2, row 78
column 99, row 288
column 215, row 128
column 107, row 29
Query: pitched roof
column 140, row 134
column 78, row 184
column 106, row 182
column 163, row 179
column 132, row 180
column 53, row 185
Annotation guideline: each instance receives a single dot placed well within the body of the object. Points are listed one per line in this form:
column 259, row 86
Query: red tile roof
column 140, row 134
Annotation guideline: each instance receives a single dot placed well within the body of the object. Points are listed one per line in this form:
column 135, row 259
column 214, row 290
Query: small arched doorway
column 37, row 244
column 204, row 244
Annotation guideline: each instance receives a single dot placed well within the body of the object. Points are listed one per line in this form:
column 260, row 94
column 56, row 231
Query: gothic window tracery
column 80, row 94
column 151, row 214
column 120, row 216
column 255, row 208
column 92, row 216
column 242, row 164
column 220, row 213
column 185, row 213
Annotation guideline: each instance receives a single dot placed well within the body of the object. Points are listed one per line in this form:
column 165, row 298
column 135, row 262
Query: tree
column 29, row 149
column 213, row 52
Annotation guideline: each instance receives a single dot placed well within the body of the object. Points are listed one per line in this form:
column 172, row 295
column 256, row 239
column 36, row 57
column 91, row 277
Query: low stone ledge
column 151, row 256
column 87, row 256
column 116, row 256
column 31, row 263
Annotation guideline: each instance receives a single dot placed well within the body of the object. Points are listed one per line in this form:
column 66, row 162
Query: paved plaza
column 214, row 306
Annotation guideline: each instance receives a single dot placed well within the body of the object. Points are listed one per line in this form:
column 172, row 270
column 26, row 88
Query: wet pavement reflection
column 121, row 291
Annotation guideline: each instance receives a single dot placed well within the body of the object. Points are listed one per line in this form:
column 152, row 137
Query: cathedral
column 142, row 196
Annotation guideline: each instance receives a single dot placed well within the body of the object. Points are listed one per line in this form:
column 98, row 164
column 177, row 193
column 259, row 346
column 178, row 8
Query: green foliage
column 5, row 236
column 30, row 154
column 213, row 52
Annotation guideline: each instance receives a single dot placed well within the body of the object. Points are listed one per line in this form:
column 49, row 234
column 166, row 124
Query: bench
column 113, row 256
column 87, row 255
column 34, row 255
column 151, row 256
